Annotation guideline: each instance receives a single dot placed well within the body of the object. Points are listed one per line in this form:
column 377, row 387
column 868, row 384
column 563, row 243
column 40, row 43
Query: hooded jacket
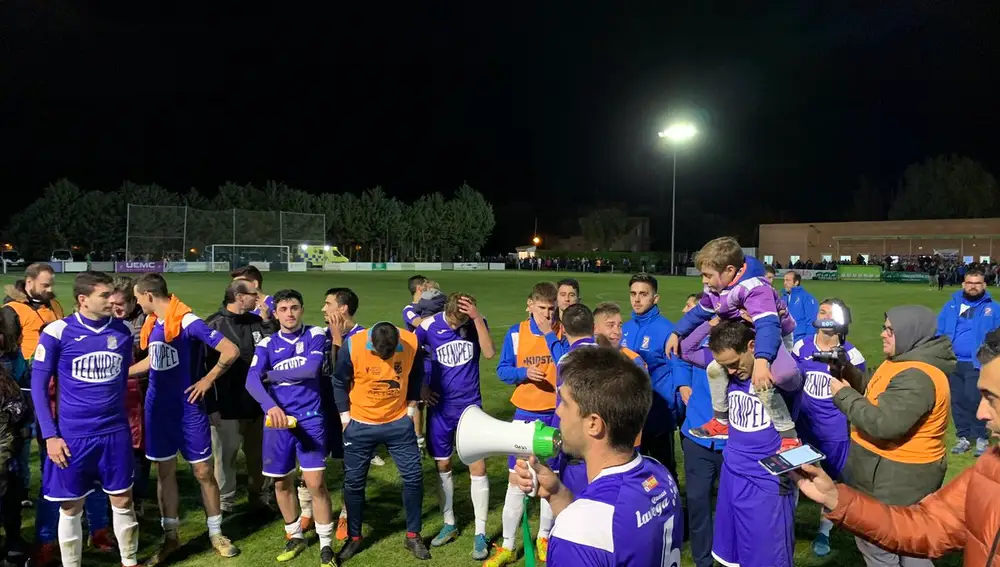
column 912, row 402
column 229, row 395
column 964, row 515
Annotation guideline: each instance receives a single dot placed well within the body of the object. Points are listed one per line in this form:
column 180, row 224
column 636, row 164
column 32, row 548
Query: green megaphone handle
column 529, row 544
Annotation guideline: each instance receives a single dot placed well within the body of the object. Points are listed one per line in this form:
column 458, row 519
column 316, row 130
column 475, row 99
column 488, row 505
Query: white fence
column 412, row 266
column 187, row 267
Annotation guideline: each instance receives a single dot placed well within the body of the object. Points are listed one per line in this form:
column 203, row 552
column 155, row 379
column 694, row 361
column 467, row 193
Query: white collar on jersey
column 298, row 335
column 620, row 468
column 95, row 330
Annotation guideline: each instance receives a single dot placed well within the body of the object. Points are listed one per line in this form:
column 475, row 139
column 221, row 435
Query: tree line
column 371, row 225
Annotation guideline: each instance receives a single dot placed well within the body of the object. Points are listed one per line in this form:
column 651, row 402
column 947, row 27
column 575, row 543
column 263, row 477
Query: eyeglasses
column 887, row 330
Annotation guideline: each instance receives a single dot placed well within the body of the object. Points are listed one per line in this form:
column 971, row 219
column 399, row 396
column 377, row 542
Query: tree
column 946, row 187
column 154, row 221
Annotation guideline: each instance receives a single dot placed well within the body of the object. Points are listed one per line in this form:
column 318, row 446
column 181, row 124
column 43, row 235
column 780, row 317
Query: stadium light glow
column 536, row 241
column 679, row 132
column 326, row 248
column 303, row 247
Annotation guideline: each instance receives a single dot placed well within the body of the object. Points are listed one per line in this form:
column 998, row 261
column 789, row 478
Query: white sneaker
column 377, row 461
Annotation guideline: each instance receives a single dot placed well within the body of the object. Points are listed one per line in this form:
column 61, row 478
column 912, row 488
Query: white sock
column 214, row 525
column 305, row 502
column 325, row 533
column 513, row 507
column 70, row 538
column 170, row 526
column 446, row 497
column 825, row 526
column 127, row 532
column 480, row 501
column 294, row 530
column 545, row 519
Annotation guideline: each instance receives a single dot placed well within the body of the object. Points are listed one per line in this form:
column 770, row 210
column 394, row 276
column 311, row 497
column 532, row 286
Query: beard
column 42, row 296
column 969, row 297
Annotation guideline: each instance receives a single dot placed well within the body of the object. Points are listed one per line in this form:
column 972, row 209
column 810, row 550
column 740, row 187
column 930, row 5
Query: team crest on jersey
column 645, row 342
column 112, row 342
column 397, row 367
column 257, row 337
column 300, row 347
column 650, row 483
column 987, row 311
column 463, row 332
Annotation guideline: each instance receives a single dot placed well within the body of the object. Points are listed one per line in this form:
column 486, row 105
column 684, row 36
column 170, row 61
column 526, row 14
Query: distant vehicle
column 62, row 255
column 13, row 259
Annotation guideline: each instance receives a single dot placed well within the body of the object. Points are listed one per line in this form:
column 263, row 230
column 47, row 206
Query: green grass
column 501, row 298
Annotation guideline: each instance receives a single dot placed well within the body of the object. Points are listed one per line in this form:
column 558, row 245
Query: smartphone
column 791, row 459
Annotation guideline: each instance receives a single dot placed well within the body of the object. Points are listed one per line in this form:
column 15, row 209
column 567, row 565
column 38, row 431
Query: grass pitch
column 501, row 297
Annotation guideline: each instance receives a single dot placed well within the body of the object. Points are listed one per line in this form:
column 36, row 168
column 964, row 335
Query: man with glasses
column 237, row 419
column 966, row 319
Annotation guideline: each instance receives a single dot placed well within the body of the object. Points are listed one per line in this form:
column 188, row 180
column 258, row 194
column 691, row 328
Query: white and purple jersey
column 819, row 418
column 176, row 365
column 292, row 363
column 409, row 316
column 269, row 301
column 752, row 293
column 455, row 355
column 628, row 516
column 90, row 360
column 752, row 436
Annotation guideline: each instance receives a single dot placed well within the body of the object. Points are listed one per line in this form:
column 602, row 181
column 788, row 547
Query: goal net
column 195, row 235
column 260, row 255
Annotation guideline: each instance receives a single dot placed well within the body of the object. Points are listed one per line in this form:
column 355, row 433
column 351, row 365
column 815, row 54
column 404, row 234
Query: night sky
column 554, row 99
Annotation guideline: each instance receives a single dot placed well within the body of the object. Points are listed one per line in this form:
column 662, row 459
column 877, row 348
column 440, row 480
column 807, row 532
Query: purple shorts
column 104, row 460
column 526, row 417
column 754, row 522
column 306, row 441
column 442, row 423
column 836, row 456
column 191, row 435
column 574, row 475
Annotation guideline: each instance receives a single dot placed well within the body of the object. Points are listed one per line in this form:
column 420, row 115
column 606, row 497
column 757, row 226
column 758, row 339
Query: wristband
column 345, row 417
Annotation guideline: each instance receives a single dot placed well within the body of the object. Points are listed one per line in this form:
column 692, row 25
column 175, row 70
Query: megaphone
column 480, row 436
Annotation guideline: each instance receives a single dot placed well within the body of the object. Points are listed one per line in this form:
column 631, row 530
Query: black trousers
column 702, row 467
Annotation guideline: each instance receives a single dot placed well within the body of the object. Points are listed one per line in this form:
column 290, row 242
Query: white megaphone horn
column 480, row 436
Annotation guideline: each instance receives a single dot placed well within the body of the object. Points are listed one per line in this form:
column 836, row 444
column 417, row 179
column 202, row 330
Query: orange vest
column 925, row 442
column 532, row 350
column 378, row 391
column 32, row 321
column 632, row 355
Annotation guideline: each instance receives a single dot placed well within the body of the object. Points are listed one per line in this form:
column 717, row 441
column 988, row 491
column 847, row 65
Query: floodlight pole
column 673, row 216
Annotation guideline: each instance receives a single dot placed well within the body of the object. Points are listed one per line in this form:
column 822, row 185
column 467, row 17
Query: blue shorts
column 526, row 417
column 99, row 460
column 191, row 435
column 306, row 442
column 754, row 524
column 442, row 423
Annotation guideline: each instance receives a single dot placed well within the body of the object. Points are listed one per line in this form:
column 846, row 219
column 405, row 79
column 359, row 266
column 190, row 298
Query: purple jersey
column 176, row 365
column 293, row 363
column 819, row 418
column 409, row 316
column 454, row 359
column 752, row 436
column 90, row 360
column 628, row 516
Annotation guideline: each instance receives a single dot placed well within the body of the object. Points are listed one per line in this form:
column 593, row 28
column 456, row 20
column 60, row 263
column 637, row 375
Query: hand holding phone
column 789, row 460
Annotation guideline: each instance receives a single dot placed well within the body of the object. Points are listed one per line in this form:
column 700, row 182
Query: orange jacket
column 963, row 514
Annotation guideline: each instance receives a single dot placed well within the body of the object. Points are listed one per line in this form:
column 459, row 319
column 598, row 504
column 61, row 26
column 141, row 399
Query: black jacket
column 229, row 395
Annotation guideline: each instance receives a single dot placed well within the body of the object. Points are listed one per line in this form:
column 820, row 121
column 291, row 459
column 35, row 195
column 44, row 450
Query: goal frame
column 284, row 249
